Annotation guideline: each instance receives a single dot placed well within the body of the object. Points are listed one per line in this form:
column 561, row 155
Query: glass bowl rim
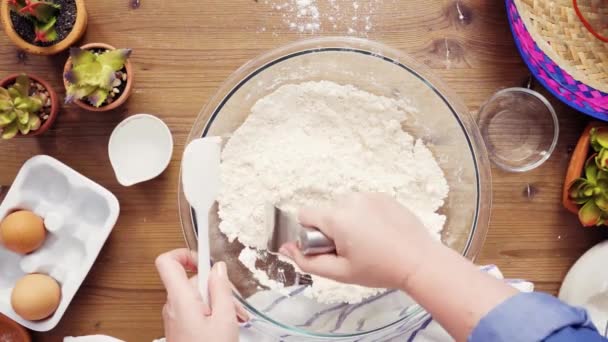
column 375, row 49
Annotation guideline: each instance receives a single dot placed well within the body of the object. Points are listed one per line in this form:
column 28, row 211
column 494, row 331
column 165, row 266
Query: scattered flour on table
column 352, row 17
column 308, row 143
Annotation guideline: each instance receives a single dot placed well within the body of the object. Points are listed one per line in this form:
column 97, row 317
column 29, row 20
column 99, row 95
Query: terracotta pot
column 54, row 102
column 77, row 32
column 577, row 164
column 117, row 102
column 14, row 330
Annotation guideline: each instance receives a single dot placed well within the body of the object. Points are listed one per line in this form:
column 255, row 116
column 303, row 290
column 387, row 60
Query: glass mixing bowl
column 442, row 122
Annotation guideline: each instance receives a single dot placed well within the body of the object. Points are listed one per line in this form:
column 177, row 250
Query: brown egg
column 22, row 232
column 36, row 296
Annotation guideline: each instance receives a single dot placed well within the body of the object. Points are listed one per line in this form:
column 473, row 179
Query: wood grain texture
column 183, row 50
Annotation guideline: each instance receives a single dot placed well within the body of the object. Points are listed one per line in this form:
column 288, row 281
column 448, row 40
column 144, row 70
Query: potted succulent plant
column 586, row 186
column 98, row 77
column 43, row 27
column 28, row 106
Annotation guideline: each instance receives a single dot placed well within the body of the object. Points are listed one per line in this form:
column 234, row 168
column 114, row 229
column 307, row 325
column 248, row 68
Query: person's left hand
column 186, row 317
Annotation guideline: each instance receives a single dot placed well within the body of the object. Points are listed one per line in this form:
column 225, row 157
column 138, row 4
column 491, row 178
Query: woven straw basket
column 561, row 35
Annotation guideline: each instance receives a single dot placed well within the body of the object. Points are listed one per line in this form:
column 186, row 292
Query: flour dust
column 318, row 16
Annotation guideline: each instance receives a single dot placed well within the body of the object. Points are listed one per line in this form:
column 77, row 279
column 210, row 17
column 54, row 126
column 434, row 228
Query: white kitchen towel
column 430, row 331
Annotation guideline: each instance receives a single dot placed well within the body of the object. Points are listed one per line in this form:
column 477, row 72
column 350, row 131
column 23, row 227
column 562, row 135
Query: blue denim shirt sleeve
column 535, row 317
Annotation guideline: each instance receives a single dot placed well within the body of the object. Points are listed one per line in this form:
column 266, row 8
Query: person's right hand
column 379, row 243
column 382, row 244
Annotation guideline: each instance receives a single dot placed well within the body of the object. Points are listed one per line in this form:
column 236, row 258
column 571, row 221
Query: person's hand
column 186, row 317
column 379, row 243
column 382, row 244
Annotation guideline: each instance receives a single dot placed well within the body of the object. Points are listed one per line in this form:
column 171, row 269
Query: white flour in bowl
column 308, row 143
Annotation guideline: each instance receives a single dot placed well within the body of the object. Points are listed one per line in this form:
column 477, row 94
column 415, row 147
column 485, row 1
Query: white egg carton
column 78, row 214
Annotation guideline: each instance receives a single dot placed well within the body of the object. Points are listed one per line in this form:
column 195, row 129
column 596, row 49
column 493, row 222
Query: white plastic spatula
column 201, row 181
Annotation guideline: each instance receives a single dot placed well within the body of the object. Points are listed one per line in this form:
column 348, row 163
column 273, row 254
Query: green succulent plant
column 42, row 14
column 591, row 191
column 93, row 74
column 18, row 110
column 599, row 143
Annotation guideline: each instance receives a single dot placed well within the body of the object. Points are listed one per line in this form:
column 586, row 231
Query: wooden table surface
column 183, row 50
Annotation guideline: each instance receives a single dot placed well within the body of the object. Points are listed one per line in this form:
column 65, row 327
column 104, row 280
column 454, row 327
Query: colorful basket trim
column 561, row 84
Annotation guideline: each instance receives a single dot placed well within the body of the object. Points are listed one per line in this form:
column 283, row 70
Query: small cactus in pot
column 100, row 76
column 42, row 14
column 43, row 27
column 590, row 191
column 27, row 106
